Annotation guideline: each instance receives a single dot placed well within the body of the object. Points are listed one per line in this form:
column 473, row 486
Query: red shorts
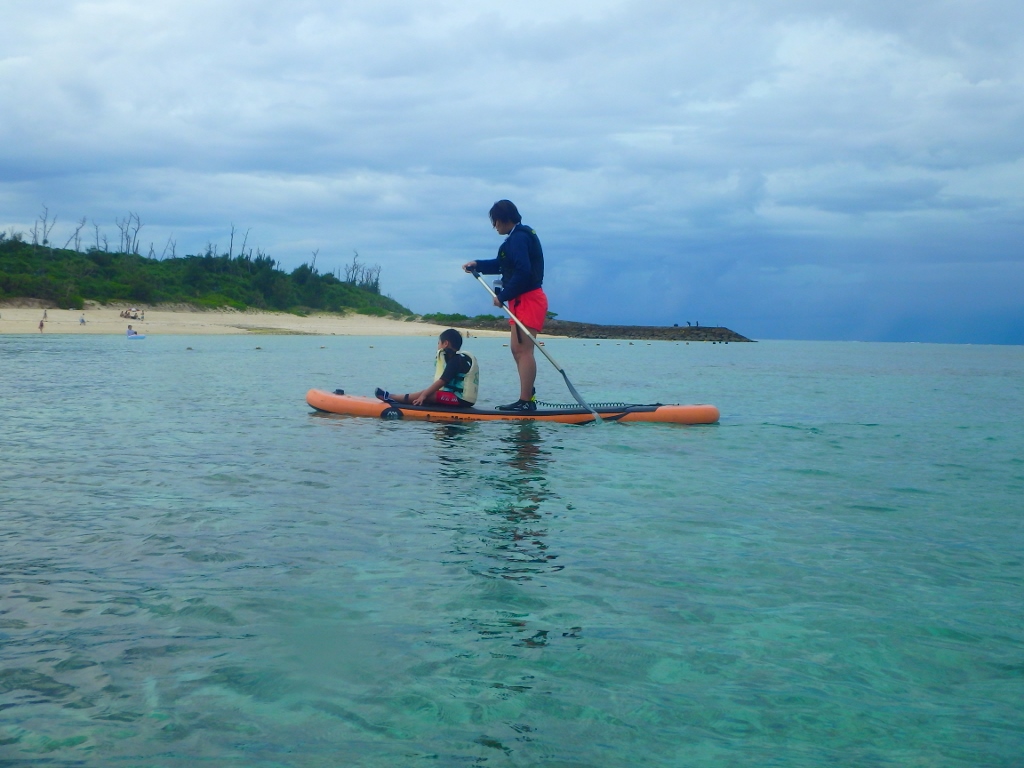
column 448, row 398
column 531, row 308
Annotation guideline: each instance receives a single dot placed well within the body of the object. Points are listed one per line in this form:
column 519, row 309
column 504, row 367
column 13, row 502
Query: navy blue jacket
column 520, row 263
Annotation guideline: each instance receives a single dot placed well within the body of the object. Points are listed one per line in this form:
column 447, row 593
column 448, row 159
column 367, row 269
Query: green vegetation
column 441, row 318
column 69, row 277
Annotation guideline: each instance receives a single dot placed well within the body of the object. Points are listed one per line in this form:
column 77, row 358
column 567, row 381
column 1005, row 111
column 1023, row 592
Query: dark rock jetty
column 632, row 332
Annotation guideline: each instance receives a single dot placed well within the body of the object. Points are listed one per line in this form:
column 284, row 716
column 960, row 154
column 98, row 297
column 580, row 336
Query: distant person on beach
column 520, row 262
column 40, row 326
column 132, row 332
column 456, row 377
column 81, row 320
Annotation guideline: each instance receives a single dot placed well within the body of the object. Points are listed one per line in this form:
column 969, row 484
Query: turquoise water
column 197, row 570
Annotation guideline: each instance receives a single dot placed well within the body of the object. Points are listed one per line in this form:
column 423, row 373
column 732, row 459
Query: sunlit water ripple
column 197, row 570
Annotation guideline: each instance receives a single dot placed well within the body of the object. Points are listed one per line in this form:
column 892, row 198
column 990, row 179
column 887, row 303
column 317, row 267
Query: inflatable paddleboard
column 353, row 405
column 136, row 336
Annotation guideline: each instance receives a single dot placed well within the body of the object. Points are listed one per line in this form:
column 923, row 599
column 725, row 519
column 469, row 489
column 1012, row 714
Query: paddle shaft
column 533, row 338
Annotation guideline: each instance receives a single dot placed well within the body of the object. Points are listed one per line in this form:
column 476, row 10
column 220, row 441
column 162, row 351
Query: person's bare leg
column 522, row 352
column 408, row 399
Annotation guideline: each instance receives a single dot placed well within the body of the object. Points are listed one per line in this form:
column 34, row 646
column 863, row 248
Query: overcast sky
column 806, row 169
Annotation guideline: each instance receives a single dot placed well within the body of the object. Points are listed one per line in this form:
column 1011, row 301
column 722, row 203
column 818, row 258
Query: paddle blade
column 580, row 400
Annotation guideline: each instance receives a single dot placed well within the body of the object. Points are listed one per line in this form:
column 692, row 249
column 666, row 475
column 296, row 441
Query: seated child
column 457, row 377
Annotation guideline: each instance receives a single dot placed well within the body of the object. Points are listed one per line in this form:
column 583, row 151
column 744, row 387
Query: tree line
column 32, row 268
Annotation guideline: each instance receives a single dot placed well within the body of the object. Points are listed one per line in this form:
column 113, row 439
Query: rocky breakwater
column 631, row 332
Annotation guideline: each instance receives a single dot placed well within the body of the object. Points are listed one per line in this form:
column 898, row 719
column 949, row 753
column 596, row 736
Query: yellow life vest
column 464, row 385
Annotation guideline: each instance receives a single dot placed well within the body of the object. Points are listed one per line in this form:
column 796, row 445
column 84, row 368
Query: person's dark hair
column 505, row 210
column 453, row 337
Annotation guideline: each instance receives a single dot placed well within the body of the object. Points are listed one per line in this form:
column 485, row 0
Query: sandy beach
column 186, row 321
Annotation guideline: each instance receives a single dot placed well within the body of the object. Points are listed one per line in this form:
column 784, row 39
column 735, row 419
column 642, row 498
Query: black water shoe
column 382, row 394
column 519, row 405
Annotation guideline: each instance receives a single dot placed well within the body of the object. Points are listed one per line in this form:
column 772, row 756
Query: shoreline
column 191, row 321
column 22, row 316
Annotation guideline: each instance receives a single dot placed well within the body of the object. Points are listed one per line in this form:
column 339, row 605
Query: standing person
column 40, row 326
column 520, row 263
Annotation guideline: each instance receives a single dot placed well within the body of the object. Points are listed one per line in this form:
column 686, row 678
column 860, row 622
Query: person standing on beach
column 520, row 263
column 40, row 326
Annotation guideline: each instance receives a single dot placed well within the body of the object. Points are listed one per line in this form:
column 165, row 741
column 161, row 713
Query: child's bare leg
column 411, row 397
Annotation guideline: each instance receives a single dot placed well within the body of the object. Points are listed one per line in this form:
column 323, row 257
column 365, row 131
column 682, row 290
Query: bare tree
column 353, row 270
column 122, row 244
column 244, row 241
column 363, row 276
column 47, row 228
column 135, row 236
column 172, row 244
column 42, row 227
column 129, row 233
column 312, row 266
column 371, row 281
column 76, row 236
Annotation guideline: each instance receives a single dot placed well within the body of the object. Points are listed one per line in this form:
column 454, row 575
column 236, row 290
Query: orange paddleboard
column 354, row 405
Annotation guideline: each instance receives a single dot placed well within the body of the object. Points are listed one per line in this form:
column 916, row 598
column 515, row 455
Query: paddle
column 533, row 338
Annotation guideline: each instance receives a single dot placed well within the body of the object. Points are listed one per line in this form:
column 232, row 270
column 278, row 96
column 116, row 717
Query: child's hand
column 419, row 400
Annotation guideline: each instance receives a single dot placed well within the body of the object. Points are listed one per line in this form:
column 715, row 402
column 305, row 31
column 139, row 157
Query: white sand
column 187, row 321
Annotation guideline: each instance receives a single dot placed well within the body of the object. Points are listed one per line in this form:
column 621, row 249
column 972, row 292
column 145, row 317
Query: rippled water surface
column 197, row 570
